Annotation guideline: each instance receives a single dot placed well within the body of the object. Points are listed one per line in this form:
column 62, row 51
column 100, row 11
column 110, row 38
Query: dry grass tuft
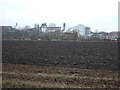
column 31, row 76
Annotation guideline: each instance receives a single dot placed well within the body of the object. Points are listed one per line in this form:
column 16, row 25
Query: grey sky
column 98, row 14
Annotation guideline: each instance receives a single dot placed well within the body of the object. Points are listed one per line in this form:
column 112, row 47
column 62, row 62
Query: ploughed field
column 83, row 55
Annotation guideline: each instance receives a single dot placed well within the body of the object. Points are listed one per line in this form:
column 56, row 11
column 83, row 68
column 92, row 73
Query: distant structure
column 43, row 27
column 27, row 27
column 69, row 36
column 87, row 30
column 113, row 35
column 6, row 27
column 52, row 28
column 16, row 24
column 51, row 32
column 52, row 25
column 82, row 30
column 36, row 26
column 64, row 25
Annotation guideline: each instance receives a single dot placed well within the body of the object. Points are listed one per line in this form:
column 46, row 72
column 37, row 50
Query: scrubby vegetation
column 31, row 76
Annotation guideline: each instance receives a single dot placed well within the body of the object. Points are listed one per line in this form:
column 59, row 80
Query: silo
column 64, row 25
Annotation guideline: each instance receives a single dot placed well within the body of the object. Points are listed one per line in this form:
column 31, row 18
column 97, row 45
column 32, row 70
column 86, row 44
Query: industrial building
column 45, row 29
column 6, row 27
column 80, row 29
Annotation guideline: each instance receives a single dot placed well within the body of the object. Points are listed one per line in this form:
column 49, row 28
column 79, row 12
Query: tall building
column 80, row 29
column 43, row 27
column 64, row 26
column 36, row 26
column 87, row 30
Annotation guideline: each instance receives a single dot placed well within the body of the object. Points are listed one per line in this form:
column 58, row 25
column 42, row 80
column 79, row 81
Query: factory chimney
column 64, row 25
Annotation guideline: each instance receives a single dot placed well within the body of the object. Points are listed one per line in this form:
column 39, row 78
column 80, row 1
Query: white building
column 52, row 25
column 80, row 29
column 52, row 28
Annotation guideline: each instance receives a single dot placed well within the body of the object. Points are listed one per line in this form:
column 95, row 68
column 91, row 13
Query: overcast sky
column 97, row 14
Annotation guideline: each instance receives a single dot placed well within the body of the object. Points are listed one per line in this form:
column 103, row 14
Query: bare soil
column 83, row 55
column 53, row 64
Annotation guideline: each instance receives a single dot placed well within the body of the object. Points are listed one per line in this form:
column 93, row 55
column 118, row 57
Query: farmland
column 85, row 55
column 52, row 60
